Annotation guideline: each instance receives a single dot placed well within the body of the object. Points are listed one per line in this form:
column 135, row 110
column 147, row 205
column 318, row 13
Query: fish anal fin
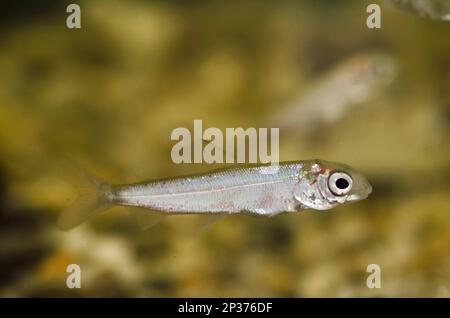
column 210, row 220
column 146, row 218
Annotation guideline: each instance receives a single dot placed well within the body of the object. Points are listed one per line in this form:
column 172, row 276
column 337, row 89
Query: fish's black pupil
column 342, row 184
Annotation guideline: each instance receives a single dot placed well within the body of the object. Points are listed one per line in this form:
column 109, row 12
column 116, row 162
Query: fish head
column 323, row 185
column 369, row 74
column 380, row 66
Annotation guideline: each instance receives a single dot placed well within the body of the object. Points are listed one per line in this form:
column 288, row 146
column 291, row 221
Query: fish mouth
column 369, row 189
column 361, row 195
column 356, row 197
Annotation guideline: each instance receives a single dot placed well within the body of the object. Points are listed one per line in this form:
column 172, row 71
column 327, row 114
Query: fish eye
column 340, row 183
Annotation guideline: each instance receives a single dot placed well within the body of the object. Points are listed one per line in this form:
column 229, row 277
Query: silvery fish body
column 262, row 190
column 258, row 190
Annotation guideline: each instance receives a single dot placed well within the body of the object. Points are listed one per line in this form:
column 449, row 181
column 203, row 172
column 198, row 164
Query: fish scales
column 231, row 191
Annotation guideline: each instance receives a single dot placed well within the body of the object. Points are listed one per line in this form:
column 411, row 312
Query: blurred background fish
column 353, row 82
column 431, row 9
column 110, row 94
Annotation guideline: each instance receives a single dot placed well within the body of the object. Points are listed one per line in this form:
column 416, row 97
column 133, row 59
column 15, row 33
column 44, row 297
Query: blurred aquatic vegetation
column 110, row 93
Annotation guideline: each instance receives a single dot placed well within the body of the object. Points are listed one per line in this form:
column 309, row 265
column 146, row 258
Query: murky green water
column 109, row 95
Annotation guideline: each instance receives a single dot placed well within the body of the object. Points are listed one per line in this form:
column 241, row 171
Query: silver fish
column 258, row 190
column 438, row 10
column 352, row 82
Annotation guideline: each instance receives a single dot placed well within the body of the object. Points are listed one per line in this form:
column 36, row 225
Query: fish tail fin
column 95, row 196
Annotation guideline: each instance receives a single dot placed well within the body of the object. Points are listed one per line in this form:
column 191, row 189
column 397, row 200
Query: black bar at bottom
column 210, row 307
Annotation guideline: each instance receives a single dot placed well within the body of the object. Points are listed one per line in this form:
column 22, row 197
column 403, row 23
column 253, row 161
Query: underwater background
column 109, row 94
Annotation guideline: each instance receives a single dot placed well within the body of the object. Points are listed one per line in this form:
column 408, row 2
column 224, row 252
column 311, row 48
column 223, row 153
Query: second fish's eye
column 340, row 183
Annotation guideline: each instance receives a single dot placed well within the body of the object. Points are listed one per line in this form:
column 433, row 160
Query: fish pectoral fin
column 146, row 218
